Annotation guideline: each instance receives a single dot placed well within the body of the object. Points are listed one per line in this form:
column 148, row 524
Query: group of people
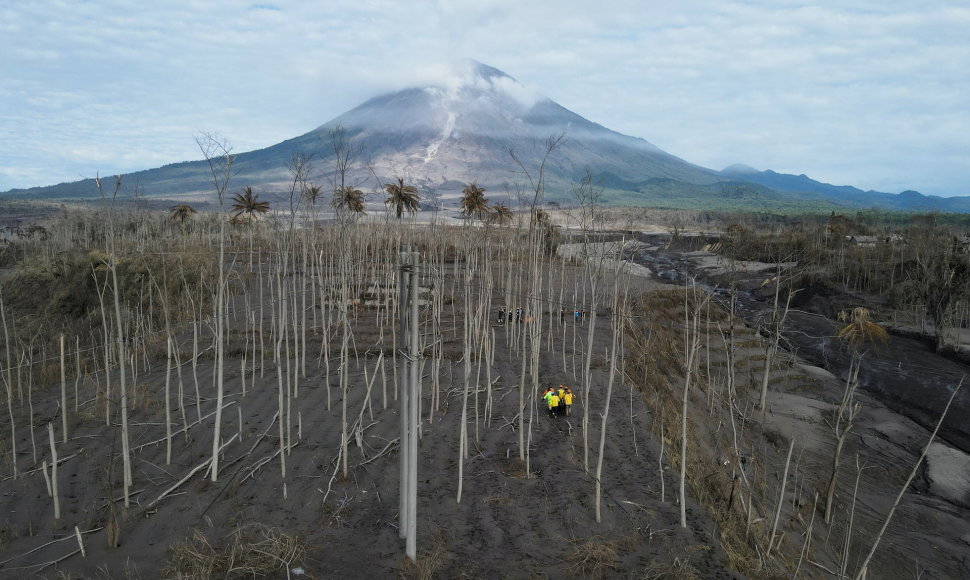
column 578, row 315
column 558, row 399
column 517, row 315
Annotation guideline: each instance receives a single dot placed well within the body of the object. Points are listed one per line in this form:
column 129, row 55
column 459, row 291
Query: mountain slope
column 466, row 127
column 847, row 195
column 454, row 133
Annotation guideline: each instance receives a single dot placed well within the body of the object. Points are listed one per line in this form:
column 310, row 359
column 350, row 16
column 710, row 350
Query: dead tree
column 692, row 344
column 218, row 155
column 775, row 324
column 861, row 574
column 858, row 332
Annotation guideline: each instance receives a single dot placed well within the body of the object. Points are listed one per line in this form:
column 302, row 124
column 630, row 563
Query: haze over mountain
column 462, row 128
column 846, row 195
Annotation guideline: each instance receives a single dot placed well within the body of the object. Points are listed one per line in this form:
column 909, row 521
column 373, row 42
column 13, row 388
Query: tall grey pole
column 403, row 517
column 415, row 396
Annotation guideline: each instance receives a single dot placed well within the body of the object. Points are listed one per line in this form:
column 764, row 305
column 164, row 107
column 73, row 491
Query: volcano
column 480, row 124
column 468, row 129
column 437, row 137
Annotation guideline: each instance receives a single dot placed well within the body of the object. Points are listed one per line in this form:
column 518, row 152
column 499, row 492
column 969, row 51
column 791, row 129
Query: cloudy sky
column 874, row 94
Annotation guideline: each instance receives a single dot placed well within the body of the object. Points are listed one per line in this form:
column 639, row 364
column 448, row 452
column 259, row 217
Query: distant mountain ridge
column 462, row 128
column 848, row 196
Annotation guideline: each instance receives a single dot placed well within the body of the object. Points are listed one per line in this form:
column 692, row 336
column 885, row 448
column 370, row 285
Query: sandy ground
column 507, row 525
column 609, row 255
column 948, row 473
column 899, row 407
column 713, row 264
column 904, row 387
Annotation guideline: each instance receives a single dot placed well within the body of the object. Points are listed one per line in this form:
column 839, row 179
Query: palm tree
column 311, row 193
column 501, row 214
column 858, row 332
column 349, row 198
column 860, row 329
column 541, row 218
column 248, row 203
column 473, row 202
column 402, row 197
column 181, row 212
column 543, row 223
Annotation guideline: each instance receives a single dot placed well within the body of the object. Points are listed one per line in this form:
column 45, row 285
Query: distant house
column 869, row 241
column 895, row 239
column 864, row 241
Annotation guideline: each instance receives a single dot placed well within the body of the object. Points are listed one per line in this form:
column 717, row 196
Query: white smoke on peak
column 455, row 78
column 524, row 94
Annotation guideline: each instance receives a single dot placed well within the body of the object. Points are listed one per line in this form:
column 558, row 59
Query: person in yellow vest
column 567, row 399
column 553, row 403
column 546, row 393
column 561, row 391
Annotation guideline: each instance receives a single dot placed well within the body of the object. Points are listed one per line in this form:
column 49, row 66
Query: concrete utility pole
column 404, row 448
column 410, row 394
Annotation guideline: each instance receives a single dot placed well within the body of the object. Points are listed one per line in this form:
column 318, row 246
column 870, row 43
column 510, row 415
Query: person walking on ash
column 553, row 402
column 567, row 400
column 546, row 394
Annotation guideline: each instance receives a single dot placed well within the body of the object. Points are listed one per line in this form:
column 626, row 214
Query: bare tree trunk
column 467, row 366
column 30, row 400
column 843, row 570
column 781, row 498
column 195, row 368
column 588, row 379
column 63, row 392
column 617, row 325
column 808, row 539
column 77, row 373
column 281, row 404
column 54, row 492
column 692, row 346
column 220, row 351
column 219, row 156
column 344, row 378
column 875, row 544
column 843, row 420
column 7, row 376
column 168, row 402
column 122, row 387
column 771, row 349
